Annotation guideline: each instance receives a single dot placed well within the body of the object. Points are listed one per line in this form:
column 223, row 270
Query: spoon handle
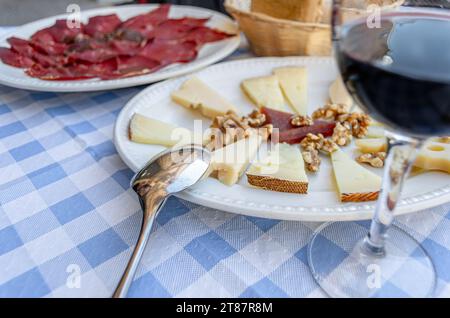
column 151, row 205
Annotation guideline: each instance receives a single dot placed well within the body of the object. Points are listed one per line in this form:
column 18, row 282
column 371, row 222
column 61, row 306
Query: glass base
column 343, row 268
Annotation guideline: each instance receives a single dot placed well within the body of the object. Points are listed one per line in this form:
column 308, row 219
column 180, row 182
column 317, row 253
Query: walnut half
column 375, row 159
column 330, row 112
column 342, row 134
column 312, row 159
column 300, row 121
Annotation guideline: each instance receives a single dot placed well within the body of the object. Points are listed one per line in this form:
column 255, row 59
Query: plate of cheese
column 287, row 141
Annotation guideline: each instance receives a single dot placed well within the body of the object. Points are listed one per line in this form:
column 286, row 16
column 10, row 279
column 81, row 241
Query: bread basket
column 269, row 36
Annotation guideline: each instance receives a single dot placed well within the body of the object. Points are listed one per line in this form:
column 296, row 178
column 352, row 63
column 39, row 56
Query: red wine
column 400, row 73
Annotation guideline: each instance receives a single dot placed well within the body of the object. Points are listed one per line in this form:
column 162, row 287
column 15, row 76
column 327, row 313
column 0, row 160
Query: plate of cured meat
column 286, row 141
column 114, row 47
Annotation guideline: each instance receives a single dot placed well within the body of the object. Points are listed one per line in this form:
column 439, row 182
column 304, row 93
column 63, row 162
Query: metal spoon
column 169, row 172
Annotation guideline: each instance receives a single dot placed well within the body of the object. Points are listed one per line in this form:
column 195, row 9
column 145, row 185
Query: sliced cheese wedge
column 294, row 84
column 355, row 183
column 339, row 94
column 197, row 95
column 366, row 145
column 264, row 91
column 282, row 170
column 434, row 155
column 375, row 132
column 231, row 161
column 147, row 130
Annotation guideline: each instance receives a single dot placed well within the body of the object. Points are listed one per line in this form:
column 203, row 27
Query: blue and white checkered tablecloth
column 68, row 220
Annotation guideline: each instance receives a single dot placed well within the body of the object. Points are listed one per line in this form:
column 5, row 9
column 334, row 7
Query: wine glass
column 396, row 66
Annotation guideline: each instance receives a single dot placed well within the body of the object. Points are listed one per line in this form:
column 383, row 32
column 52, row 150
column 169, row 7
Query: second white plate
column 320, row 204
column 209, row 54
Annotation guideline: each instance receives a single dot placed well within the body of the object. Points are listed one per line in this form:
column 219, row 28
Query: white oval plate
column 320, row 204
column 209, row 54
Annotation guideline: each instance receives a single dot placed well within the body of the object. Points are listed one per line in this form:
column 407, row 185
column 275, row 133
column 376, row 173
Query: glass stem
column 401, row 153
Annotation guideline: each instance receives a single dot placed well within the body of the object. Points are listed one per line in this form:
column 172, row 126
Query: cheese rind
column 282, row 170
column 231, row 161
column 354, row 182
column 264, row 91
column 294, row 84
column 147, row 130
column 195, row 94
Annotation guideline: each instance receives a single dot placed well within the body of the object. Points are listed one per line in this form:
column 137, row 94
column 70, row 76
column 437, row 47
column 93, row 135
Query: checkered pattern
column 68, row 220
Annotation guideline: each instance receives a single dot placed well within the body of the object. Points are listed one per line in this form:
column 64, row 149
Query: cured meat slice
column 136, row 64
column 167, row 52
column 12, row 58
column 97, row 55
column 23, row 47
column 177, row 28
column 125, row 47
column 57, row 73
column 202, row 35
column 128, row 42
column 61, row 32
column 146, row 23
column 102, row 25
column 172, row 29
column 195, row 22
column 278, row 119
column 131, row 66
column 295, row 135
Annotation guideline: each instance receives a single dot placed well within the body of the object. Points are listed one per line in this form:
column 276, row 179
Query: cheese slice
column 339, row 94
column 282, row 170
column 147, row 130
column 231, row 161
column 366, row 145
column 354, row 182
column 197, row 95
column 294, row 84
column 435, row 155
column 374, row 131
column 265, row 91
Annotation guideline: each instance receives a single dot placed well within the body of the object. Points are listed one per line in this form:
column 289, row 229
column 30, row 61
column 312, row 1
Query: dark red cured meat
column 125, row 47
column 173, row 30
column 12, row 58
column 102, row 25
column 146, row 23
column 106, row 48
column 60, row 32
column 23, row 47
column 103, row 69
column 44, row 42
column 278, row 119
column 295, row 135
column 167, row 52
column 195, row 22
column 58, row 73
column 131, row 66
column 202, row 35
column 97, row 55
